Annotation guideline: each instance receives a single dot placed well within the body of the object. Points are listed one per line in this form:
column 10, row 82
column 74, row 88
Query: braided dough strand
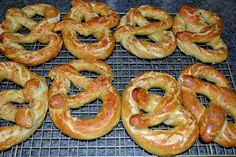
column 60, row 104
column 136, row 23
column 212, row 120
column 10, row 40
column 166, row 109
column 27, row 119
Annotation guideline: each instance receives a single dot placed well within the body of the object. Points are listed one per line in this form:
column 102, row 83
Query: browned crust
column 99, row 27
column 135, row 23
column 212, row 120
column 158, row 142
column 10, row 41
column 27, row 119
column 193, row 25
column 60, row 104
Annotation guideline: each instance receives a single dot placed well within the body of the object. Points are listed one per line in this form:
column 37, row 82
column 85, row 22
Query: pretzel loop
column 136, row 23
column 60, row 103
column 166, row 109
column 192, row 26
column 28, row 118
column 212, row 120
column 84, row 19
column 10, row 40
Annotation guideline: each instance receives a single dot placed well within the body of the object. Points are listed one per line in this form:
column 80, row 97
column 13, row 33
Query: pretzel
column 27, row 119
column 212, row 120
column 11, row 41
column 98, row 27
column 60, row 103
column 192, row 26
column 164, row 42
column 157, row 110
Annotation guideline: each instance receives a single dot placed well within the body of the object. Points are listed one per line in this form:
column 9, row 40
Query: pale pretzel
column 60, row 104
column 164, row 41
column 94, row 25
column 10, row 40
column 191, row 26
column 212, row 120
column 166, row 109
column 28, row 119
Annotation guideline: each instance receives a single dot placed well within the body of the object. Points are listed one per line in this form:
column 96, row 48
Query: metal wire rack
column 49, row 141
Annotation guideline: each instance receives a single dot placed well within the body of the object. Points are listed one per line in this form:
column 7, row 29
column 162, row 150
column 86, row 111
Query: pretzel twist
column 60, row 103
column 192, row 26
column 94, row 25
column 166, row 109
column 42, row 31
column 212, row 120
column 29, row 118
column 164, row 42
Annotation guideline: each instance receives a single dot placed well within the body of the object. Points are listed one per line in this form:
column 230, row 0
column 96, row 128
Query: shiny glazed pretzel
column 29, row 118
column 98, row 26
column 192, row 26
column 10, row 40
column 212, row 120
column 166, row 109
column 60, row 103
column 136, row 23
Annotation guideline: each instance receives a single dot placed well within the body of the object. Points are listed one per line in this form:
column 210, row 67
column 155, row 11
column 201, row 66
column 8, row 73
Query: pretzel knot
column 60, row 104
column 136, row 23
column 42, row 31
column 28, row 118
column 158, row 109
column 192, row 26
column 212, row 120
column 98, row 20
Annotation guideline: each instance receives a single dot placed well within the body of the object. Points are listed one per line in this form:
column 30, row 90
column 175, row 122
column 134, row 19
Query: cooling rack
column 49, row 141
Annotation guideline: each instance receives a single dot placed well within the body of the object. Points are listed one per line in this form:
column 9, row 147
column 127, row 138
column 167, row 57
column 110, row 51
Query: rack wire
column 49, row 141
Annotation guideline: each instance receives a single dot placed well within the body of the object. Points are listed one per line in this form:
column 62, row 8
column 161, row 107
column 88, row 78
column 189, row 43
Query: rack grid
column 49, row 141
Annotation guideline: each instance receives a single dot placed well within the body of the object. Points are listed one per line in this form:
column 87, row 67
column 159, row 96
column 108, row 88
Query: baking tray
column 49, row 141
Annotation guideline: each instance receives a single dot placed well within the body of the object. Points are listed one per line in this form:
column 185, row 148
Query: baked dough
column 212, row 119
column 84, row 19
column 136, row 22
column 28, row 119
column 42, row 31
column 167, row 109
column 60, row 103
column 194, row 26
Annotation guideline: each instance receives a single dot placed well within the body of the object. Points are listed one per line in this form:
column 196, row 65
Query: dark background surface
column 226, row 10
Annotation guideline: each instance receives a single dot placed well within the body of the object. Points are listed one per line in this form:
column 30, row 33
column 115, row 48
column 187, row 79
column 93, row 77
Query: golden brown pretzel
column 10, row 40
column 29, row 118
column 191, row 26
column 60, row 103
column 94, row 25
column 212, row 120
column 166, row 109
column 164, row 41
